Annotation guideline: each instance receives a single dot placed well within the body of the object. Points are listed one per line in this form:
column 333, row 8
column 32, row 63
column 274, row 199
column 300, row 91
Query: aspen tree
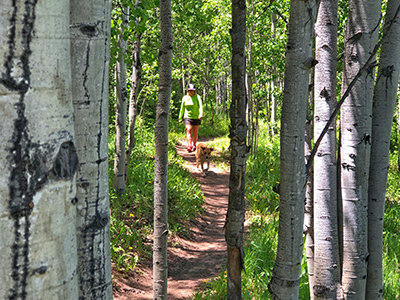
column 133, row 98
column 384, row 103
column 285, row 279
column 38, row 158
column 121, row 106
column 160, row 262
column 326, row 240
column 90, row 37
column 235, row 214
column 355, row 128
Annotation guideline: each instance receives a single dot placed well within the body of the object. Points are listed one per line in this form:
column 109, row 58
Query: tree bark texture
column 238, row 132
column 121, row 107
column 249, row 83
column 90, row 36
column 38, row 159
column 309, row 209
column 160, row 263
column 133, row 99
column 360, row 39
column 285, row 279
column 384, row 103
column 326, row 251
column 274, row 103
column 221, row 95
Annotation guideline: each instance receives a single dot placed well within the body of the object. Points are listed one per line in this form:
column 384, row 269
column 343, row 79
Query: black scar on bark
column 66, row 162
column 320, row 290
column 88, row 29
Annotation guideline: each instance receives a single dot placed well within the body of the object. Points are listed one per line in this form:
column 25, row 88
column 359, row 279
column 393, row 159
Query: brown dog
column 203, row 154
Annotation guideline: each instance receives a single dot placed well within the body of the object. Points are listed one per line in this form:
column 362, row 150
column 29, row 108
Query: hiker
column 191, row 113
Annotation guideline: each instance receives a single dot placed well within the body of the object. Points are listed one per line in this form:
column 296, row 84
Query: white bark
column 249, row 84
column 286, row 273
column 160, row 262
column 274, row 104
column 361, row 37
column 382, row 118
column 398, row 132
column 90, row 35
column 133, row 99
column 326, row 259
column 38, row 161
column 121, row 107
column 238, row 130
column 308, row 209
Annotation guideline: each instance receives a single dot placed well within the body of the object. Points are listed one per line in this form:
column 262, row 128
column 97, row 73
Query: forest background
column 255, row 77
column 201, row 55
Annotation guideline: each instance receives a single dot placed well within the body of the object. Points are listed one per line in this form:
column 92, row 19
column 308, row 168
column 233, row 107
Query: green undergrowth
column 262, row 174
column 391, row 233
column 262, row 205
column 132, row 218
column 132, row 212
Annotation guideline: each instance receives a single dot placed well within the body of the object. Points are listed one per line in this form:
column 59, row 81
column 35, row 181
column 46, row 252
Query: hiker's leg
column 195, row 134
column 189, row 129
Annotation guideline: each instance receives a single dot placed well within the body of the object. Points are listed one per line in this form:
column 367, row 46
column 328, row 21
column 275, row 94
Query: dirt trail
column 190, row 262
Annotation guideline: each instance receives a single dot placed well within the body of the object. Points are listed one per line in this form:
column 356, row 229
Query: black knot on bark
column 320, row 290
column 324, row 93
column 101, row 220
column 66, row 161
column 40, row 271
column 310, row 62
column 89, row 30
column 387, row 72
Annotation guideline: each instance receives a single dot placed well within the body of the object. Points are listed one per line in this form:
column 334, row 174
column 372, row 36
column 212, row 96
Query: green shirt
column 191, row 107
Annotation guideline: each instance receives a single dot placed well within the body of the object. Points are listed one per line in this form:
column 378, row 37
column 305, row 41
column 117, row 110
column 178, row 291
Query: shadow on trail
column 203, row 257
column 190, row 261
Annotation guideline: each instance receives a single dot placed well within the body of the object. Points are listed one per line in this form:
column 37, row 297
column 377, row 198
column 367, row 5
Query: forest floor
column 193, row 260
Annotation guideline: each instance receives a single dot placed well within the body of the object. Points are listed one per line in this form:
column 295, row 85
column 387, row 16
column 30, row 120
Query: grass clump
column 391, row 233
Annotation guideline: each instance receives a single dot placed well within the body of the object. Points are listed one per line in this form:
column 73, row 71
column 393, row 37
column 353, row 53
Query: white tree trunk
column 160, row 262
column 361, row 37
column 121, row 107
column 326, row 251
column 238, row 130
column 382, row 118
column 249, row 83
column 133, row 99
column 90, row 36
column 285, row 279
column 398, row 132
column 308, row 208
column 38, row 159
column 274, row 104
